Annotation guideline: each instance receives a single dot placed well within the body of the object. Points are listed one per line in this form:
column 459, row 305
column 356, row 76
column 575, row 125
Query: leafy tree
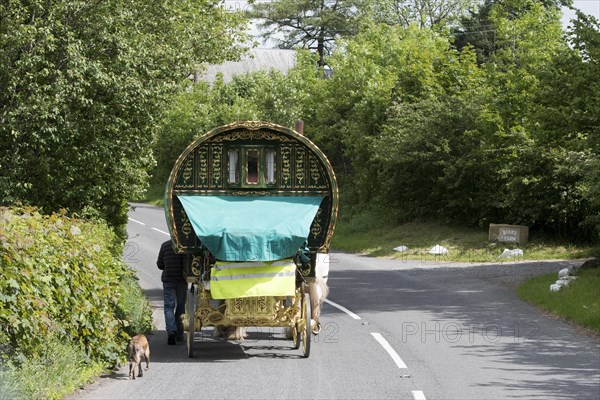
column 478, row 27
column 426, row 129
column 529, row 192
column 308, row 24
column 431, row 162
column 381, row 65
column 567, row 120
column 478, row 31
column 83, row 85
column 423, row 13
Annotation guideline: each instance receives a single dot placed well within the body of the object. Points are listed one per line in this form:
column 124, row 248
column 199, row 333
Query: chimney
column 299, row 127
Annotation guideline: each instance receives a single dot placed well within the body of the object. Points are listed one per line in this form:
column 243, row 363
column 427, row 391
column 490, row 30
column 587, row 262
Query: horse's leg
column 318, row 291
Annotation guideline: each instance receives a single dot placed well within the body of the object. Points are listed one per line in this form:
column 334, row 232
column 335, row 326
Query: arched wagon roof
column 299, row 173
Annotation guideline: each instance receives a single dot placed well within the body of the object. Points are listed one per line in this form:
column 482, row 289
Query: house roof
column 255, row 60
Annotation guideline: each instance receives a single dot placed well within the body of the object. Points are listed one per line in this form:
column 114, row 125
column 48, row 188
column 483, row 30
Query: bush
column 60, row 276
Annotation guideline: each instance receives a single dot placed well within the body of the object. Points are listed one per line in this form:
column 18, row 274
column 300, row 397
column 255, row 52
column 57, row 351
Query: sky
column 591, row 7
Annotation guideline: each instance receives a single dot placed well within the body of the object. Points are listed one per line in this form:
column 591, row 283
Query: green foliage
column 380, row 78
column 59, row 277
column 567, row 113
column 192, row 114
column 433, row 133
column 83, row 86
column 579, row 302
column 58, row 370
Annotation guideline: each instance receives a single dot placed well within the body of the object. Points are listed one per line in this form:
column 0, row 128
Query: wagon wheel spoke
column 191, row 314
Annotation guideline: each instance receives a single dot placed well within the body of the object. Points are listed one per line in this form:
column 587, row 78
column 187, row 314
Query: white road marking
column 163, row 232
column 156, row 229
column 418, row 395
column 384, row 343
column 342, row 308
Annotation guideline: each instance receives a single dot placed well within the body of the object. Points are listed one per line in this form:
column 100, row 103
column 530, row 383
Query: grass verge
column 578, row 303
column 59, row 370
column 374, row 235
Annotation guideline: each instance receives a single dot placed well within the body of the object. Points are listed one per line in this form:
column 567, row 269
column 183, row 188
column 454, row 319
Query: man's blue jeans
column 174, row 303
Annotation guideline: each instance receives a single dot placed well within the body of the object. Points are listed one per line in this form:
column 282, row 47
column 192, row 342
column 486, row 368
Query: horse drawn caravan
column 252, row 207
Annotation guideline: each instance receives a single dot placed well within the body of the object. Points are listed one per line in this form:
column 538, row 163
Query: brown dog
column 138, row 347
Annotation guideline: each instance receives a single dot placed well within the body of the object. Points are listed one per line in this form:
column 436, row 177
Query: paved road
column 392, row 330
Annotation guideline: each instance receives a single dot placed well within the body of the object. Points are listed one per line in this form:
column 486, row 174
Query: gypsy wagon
column 252, row 206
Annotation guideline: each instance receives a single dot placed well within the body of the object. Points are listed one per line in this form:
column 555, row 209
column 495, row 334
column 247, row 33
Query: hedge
column 61, row 276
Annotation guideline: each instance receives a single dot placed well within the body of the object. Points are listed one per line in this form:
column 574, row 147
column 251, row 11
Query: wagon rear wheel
column 191, row 314
column 305, row 331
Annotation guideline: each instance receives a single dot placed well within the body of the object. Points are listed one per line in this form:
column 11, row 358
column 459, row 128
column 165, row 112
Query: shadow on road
column 476, row 311
column 264, row 343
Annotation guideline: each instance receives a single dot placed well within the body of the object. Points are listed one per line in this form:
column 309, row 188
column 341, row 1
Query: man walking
column 174, row 290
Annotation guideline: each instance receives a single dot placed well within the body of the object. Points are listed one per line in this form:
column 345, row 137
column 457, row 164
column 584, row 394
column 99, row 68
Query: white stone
column 437, row 250
column 511, row 253
column 555, row 288
column 565, row 280
column 401, row 249
column 564, row 272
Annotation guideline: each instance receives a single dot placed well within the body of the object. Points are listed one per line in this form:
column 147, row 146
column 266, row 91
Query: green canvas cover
column 250, row 228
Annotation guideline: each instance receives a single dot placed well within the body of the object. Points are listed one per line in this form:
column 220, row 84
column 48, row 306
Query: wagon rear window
column 252, row 158
column 251, row 166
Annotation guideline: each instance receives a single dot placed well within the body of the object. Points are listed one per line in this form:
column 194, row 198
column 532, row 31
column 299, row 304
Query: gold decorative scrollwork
column 286, row 166
column 186, row 228
column 261, row 303
column 186, row 180
column 251, row 193
column 249, row 311
column 316, row 174
column 203, row 167
column 216, row 169
column 250, row 134
column 300, row 172
column 238, row 304
column 196, row 260
column 178, row 246
column 316, row 228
